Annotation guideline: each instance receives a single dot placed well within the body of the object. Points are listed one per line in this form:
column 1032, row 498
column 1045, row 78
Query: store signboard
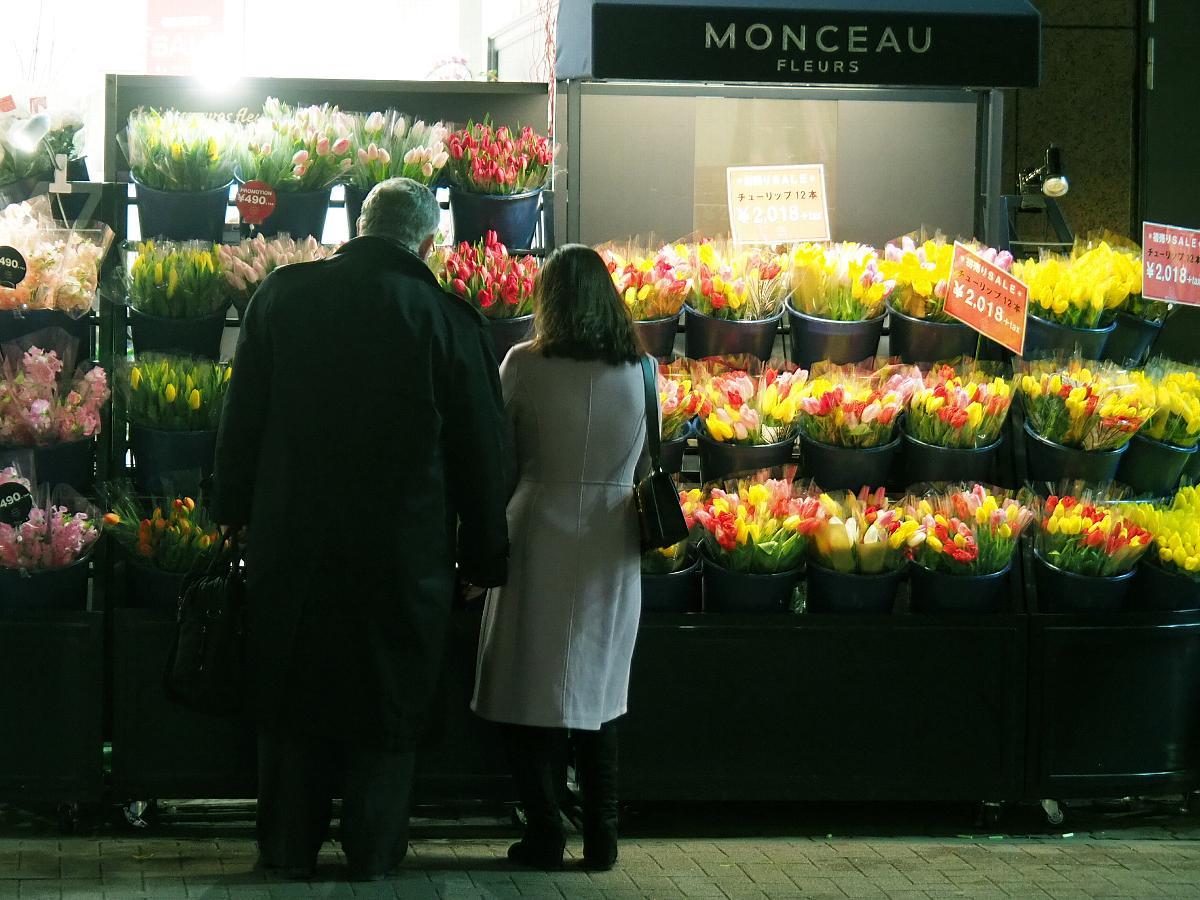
column 182, row 35
column 777, row 204
column 1170, row 263
column 987, row 298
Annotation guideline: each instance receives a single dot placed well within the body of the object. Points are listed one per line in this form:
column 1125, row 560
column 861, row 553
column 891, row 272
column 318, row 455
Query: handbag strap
column 650, row 381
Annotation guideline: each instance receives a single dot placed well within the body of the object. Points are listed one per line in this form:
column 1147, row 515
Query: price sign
column 1170, row 263
column 15, row 503
column 7, row 103
column 987, row 298
column 12, row 266
column 777, row 204
column 255, row 202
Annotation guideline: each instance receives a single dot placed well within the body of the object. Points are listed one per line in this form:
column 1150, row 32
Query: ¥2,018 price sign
column 987, row 298
column 1170, row 263
column 255, row 202
column 777, row 204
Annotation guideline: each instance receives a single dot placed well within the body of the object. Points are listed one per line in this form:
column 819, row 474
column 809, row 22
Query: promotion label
column 12, row 266
column 777, row 204
column 15, row 504
column 255, row 202
column 1170, row 263
column 987, row 298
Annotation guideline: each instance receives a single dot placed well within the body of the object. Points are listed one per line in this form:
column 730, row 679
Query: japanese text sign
column 987, row 298
column 1170, row 263
column 777, row 204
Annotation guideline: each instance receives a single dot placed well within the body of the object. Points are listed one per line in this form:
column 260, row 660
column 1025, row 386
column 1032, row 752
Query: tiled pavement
column 161, row 868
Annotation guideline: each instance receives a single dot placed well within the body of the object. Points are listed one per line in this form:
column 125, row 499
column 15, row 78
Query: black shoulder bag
column 656, row 496
column 206, row 667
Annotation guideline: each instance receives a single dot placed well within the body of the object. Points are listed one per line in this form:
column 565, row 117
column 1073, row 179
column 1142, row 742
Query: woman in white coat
column 557, row 639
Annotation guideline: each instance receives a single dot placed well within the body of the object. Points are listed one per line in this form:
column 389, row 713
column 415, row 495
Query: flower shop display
column 178, row 297
column 848, row 422
column 387, row 145
column 963, row 547
column 1079, row 417
column 1159, row 453
column 678, row 401
column 182, row 167
column 1168, row 577
column 654, row 286
column 248, row 262
column 753, row 535
column 174, row 406
column 1137, row 320
column 300, row 152
column 494, row 281
column 52, row 408
column 1085, row 550
column 671, row 579
column 838, row 303
column 747, row 413
column 955, row 422
column 858, row 554
column 44, row 559
column 497, row 176
column 736, row 299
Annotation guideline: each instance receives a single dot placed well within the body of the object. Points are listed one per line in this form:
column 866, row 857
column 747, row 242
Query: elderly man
column 361, row 443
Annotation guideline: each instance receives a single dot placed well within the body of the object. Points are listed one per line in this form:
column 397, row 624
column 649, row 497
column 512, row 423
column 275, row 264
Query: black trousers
column 298, row 777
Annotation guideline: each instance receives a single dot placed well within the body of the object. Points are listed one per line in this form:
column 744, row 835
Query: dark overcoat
column 363, row 421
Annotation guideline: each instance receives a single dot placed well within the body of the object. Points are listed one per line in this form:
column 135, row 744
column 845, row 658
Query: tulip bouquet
column 758, row 525
column 678, row 400
column 1084, row 532
column 485, row 275
column 1175, row 530
column 177, row 280
column 1083, row 404
column 921, row 270
column 297, row 149
column 63, row 265
column 1176, row 391
column 391, row 145
column 848, row 406
column 968, row 531
column 177, row 534
column 40, row 406
column 744, row 401
column 728, row 282
column 59, row 530
column 1123, row 259
column 485, row 159
column 841, row 282
column 963, row 405
column 246, row 264
column 175, row 393
column 1083, row 290
column 175, row 151
column 652, row 285
column 862, row 534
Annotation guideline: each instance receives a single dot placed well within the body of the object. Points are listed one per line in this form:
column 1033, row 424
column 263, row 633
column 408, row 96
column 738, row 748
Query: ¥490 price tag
column 255, row 202
column 987, row 298
column 12, row 266
column 15, row 504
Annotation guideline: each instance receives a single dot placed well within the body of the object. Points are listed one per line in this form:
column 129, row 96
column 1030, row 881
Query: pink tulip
column 300, row 158
column 298, row 171
column 323, row 147
column 384, row 156
column 341, row 145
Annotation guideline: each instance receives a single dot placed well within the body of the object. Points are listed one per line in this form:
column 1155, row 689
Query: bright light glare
column 26, row 136
column 1057, row 186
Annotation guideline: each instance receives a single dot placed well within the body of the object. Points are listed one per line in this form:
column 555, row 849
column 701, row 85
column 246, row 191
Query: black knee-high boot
column 536, row 757
column 596, row 767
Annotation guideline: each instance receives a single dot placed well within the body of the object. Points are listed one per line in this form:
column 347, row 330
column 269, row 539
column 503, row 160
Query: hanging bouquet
column 41, row 406
column 297, row 149
column 63, row 265
column 849, row 406
column 841, row 282
column 1085, row 533
column 175, row 393
column 178, row 534
column 1176, row 391
column 390, row 145
column 181, row 280
column 652, row 285
column 485, row 159
column 968, row 531
column 744, row 401
column 963, row 404
column 176, row 151
column 678, row 399
column 246, row 264
column 920, row 267
column 668, row 559
column 1175, row 530
column 728, row 282
column 760, row 525
column 496, row 283
column 59, row 531
column 862, row 534
column 1083, row 404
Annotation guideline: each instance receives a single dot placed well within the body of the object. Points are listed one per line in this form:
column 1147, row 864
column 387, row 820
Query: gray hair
column 401, row 209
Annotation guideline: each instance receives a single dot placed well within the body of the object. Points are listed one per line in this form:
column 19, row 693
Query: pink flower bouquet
column 57, row 532
column 40, row 405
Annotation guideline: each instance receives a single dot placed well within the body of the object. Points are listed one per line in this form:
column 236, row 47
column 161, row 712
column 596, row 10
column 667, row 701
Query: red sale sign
column 1170, row 263
column 255, row 202
column 987, row 298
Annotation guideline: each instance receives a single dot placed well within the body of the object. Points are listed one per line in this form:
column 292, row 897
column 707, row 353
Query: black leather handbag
column 206, row 667
column 656, row 496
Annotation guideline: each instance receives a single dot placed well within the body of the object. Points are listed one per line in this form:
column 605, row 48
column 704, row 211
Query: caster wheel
column 1054, row 812
column 141, row 814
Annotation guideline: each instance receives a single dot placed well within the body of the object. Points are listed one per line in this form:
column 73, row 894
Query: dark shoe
column 538, row 854
column 600, row 847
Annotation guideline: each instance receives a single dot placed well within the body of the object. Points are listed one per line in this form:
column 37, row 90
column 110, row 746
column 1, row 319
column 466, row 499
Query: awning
column 893, row 43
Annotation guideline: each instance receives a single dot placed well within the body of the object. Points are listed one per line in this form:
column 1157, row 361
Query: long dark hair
column 577, row 311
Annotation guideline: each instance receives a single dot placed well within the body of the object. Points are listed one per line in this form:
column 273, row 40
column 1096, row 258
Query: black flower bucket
column 677, row 592
column 1043, row 338
column 1191, row 470
column 182, row 215
column 16, row 324
column 1153, row 467
column 1048, row 461
column 742, row 592
column 671, row 452
column 847, row 468
column 151, row 588
column 199, row 336
column 921, row 341
column 513, row 217
column 158, row 452
column 72, row 463
column 354, row 204
column 848, row 593
column 1130, row 340
column 64, row 588
column 720, row 459
column 1060, row 591
column 709, row 336
column 299, row 214
column 940, row 592
column 507, row 333
column 657, row 336
column 1157, row 589
column 812, row 339
column 928, row 462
